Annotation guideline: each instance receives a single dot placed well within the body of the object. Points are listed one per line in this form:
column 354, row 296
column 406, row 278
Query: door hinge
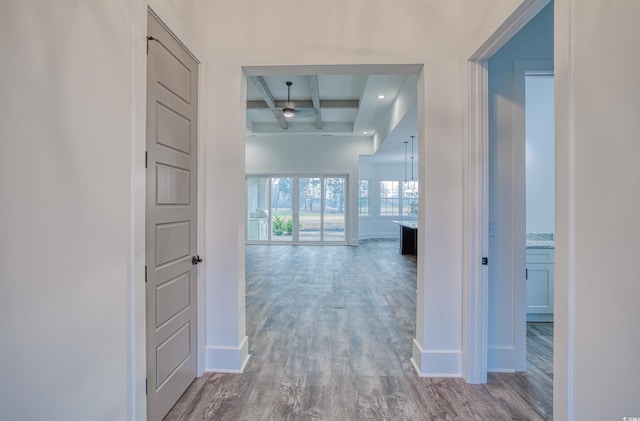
column 145, row 274
column 485, row 261
column 150, row 38
column 146, row 387
column 146, row 159
column 526, row 274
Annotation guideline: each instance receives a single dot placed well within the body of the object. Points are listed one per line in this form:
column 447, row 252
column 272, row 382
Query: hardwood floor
column 330, row 331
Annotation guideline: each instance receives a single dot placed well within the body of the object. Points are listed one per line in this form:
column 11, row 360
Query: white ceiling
column 335, row 105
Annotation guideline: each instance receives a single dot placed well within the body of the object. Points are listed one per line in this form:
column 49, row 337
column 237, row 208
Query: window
column 389, row 198
column 410, row 198
column 398, row 198
column 363, row 198
column 296, row 209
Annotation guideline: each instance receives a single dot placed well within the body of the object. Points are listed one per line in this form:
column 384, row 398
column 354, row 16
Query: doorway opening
column 304, row 187
column 540, row 218
column 495, row 332
column 521, row 189
column 540, row 192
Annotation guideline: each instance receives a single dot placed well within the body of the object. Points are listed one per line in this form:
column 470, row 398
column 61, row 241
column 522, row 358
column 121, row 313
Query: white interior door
column 170, row 220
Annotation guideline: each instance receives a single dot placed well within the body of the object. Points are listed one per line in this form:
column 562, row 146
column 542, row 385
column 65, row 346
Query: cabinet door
column 540, row 255
column 540, row 288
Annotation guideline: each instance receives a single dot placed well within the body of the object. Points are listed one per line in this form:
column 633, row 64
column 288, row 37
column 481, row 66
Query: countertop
column 407, row 224
column 540, row 241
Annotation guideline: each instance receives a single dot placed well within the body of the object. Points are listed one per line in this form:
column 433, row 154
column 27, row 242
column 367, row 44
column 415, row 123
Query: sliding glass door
column 258, row 209
column 310, row 208
column 298, row 210
column 281, row 209
column 333, row 209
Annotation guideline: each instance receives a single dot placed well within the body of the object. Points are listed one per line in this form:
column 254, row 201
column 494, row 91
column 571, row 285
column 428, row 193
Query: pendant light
column 405, row 160
column 288, row 111
column 412, row 157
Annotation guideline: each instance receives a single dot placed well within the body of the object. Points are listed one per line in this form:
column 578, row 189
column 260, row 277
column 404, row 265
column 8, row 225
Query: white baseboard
column 227, row 359
column 501, row 370
column 382, row 236
column 505, row 359
column 436, row 363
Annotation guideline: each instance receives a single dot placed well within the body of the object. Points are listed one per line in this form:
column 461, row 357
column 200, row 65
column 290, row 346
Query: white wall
column 540, row 157
column 312, row 155
column 71, row 130
column 596, row 367
column 294, row 154
column 482, row 18
column 507, row 329
column 66, row 246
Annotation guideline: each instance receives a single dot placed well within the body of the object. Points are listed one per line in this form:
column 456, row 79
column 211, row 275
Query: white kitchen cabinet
column 540, row 284
column 258, row 229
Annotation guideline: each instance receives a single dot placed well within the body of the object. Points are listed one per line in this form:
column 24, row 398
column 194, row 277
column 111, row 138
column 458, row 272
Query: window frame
column 366, row 198
column 401, row 198
column 393, row 198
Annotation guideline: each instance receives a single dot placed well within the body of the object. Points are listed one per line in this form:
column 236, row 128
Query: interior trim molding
column 511, row 26
column 476, row 307
column 436, row 363
column 504, row 359
column 222, row 359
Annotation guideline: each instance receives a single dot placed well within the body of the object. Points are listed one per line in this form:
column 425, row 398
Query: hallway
column 330, row 333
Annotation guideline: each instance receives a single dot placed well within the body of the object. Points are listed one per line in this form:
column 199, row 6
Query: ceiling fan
column 289, row 110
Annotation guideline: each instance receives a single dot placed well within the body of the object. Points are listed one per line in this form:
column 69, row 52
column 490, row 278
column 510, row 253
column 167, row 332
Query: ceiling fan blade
column 305, row 112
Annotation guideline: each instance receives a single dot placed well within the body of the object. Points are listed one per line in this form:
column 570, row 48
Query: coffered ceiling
column 335, row 105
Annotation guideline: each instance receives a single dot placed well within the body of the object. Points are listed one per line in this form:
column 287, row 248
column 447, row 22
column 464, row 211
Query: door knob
column 196, row 259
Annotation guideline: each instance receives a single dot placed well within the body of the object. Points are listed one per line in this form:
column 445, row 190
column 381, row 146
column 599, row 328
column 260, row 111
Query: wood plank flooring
column 330, row 332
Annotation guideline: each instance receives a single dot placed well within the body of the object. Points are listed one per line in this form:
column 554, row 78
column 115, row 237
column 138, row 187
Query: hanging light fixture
column 405, row 160
column 411, row 158
column 289, row 111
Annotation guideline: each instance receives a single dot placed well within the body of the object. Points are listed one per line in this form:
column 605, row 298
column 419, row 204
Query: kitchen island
column 408, row 236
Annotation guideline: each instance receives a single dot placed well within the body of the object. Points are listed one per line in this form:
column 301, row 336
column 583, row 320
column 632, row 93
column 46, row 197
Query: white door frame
column 475, row 308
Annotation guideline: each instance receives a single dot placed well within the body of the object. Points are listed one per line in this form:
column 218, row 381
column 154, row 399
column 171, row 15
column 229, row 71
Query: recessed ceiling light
column 365, row 132
column 380, row 96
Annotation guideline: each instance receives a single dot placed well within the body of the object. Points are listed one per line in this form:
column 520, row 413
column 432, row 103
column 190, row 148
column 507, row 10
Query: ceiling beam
column 309, row 128
column 315, row 99
column 262, row 87
column 324, row 103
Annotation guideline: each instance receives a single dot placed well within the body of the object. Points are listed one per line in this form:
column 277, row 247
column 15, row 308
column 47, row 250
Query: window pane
column 410, row 198
column 282, row 215
column 389, row 200
column 363, row 198
column 257, row 209
column 363, row 207
column 310, row 208
column 334, row 209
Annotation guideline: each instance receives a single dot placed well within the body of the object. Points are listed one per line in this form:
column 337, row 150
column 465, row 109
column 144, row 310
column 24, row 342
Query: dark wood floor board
column 343, row 390
column 330, row 333
column 400, row 402
column 371, row 401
